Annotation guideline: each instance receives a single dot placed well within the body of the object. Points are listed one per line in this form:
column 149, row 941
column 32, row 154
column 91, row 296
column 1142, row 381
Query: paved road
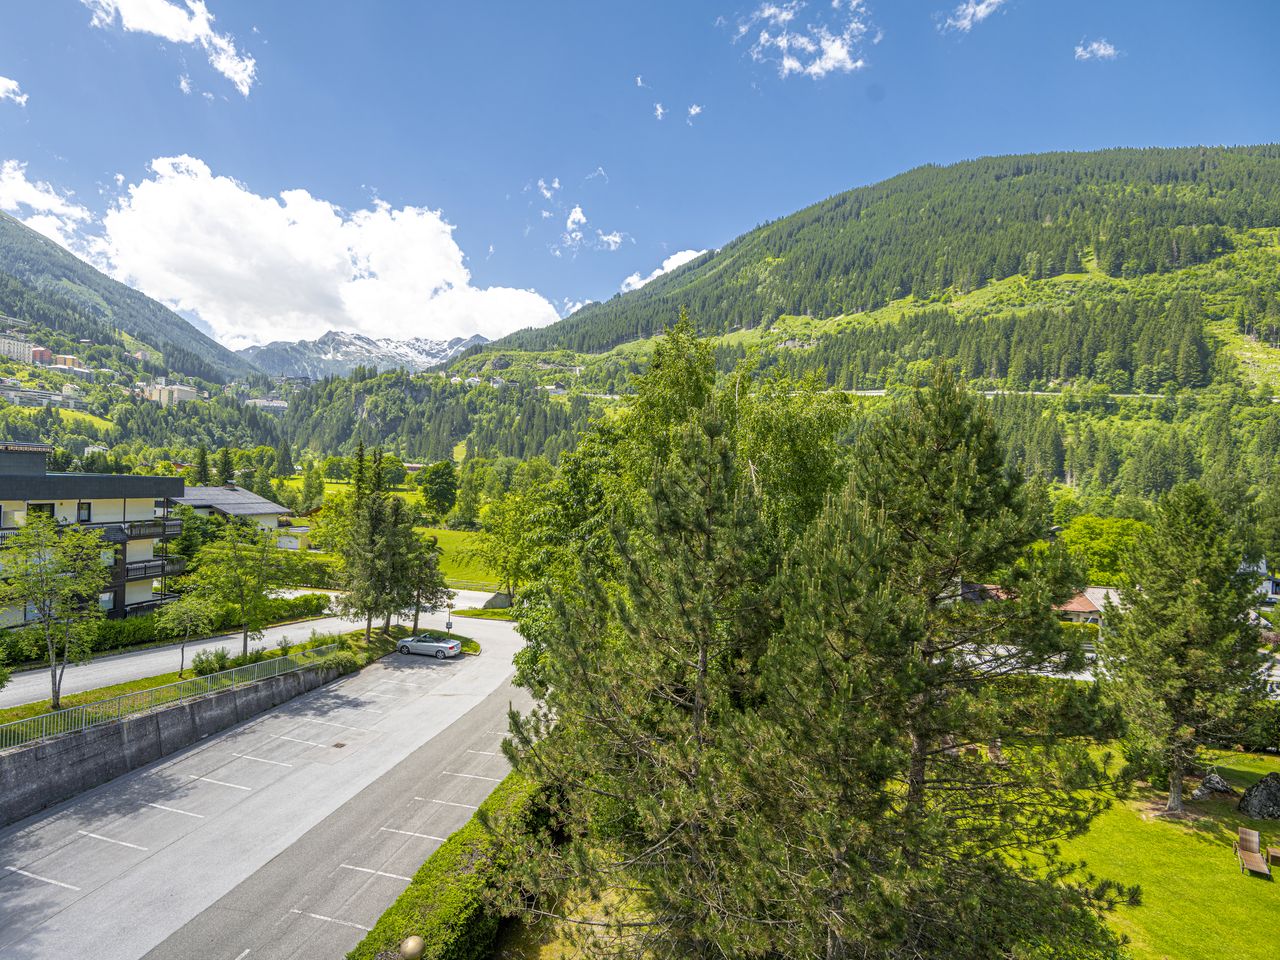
column 284, row 837
column 30, row 685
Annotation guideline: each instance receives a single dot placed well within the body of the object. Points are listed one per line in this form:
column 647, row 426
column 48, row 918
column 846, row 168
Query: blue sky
column 278, row 169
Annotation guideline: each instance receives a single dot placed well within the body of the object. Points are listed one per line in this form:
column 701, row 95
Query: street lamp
column 448, row 618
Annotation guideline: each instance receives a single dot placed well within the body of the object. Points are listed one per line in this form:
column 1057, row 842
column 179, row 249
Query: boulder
column 1211, row 784
column 1262, row 800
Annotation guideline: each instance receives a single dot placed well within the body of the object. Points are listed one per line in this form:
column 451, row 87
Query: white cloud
column 576, row 218
column 813, row 46
column 659, row 111
column 568, row 305
column 184, row 84
column 259, row 268
column 10, row 90
column 694, row 110
column 598, row 173
column 193, row 25
column 610, row 241
column 635, row 281
column 970, row 13
column 548, row 189
column 639, row 80
column 1099, row 49
column 547, row 214
column 40, row 206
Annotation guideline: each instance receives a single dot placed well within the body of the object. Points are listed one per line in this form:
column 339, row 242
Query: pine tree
column 1180, row 655
column 203, row 476
column 226, row 467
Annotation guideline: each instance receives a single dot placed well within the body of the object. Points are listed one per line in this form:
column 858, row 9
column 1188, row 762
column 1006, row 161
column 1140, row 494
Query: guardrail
column 88, row 715
column 477, row 585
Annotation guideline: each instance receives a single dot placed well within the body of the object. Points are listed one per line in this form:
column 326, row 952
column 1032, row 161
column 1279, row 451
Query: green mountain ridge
column 934, row 231
column 42, row 283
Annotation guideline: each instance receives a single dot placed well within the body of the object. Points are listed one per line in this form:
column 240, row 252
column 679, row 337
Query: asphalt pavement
column 31, row 685
column 283, row 837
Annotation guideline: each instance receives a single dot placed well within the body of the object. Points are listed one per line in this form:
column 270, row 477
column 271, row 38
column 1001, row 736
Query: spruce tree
column 203, row 475
column 226, row 467
column 1180, row 654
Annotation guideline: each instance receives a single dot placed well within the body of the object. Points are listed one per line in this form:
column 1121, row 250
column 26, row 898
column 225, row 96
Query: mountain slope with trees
column 937, row 229
column 43, row 284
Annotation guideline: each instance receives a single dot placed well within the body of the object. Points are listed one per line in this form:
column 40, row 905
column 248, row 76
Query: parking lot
column 286, row 836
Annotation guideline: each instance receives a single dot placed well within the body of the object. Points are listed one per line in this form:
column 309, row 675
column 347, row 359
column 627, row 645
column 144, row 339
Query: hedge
column 305, row 569
column 445, row 902
column 141, row 630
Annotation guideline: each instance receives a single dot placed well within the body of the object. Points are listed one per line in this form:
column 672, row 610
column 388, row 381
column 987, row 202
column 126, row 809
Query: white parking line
column 249, row 756
column 485, row 753
column 371, row 693
column 405, row 683
column 380, row 873
column 98, row 836
column 367, row 709
column 449, row 803
column 309, row 743
column 185, row 813
column 345, row 923
column 472, row 776
column 410, row 833
column 243, row 955
column 36, row 876
column 221, row 783
column 345, row 726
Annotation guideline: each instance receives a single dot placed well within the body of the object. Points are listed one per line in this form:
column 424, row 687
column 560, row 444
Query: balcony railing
column 150, row 569
column 121, row 532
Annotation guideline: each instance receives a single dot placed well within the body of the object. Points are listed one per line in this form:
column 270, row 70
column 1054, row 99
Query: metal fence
column 130, row 704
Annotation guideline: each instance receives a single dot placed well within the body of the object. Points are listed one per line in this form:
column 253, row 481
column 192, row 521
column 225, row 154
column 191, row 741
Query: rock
column 1262, row 800
column 1211, row 784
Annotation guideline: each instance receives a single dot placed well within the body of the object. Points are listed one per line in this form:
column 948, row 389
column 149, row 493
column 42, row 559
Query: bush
column 343, row 661
column 445, row 904
column 211, row 661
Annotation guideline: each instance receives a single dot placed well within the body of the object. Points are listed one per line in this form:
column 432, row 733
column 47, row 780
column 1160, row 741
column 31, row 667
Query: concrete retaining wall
column 39, row 775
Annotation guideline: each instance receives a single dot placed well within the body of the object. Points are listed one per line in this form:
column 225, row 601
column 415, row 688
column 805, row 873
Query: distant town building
column 17, row 348
column 23, row 397
column 168, row 394
column 269, row 405
column 41, row 355
column 68, row 360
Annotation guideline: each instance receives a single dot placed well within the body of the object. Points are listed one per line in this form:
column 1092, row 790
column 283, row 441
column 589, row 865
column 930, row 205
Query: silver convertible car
column 431, row 646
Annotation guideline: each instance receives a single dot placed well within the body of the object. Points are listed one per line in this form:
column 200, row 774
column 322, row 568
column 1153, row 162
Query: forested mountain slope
column 938, row 229
column 42, row 283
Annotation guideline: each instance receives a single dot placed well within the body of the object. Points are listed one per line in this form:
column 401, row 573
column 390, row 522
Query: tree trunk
column 368, row 627
column 1175, row 790
column 245, row 640
column 386, row 626
column 182, row 655
column 417, row 608
column 55, row 688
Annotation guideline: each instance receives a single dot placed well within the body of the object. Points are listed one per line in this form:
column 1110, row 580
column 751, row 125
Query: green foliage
column 1180, row 656
column 447, row 901
column 56, row 575
column 1102, row 546
column 439, row 482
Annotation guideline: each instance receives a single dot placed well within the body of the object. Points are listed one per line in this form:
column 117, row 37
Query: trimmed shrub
column 206, row 662
column 445, row 903
column 343, row 661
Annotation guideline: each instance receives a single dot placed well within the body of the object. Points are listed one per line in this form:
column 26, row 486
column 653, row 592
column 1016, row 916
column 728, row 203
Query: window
column 45, row 508
column 84, row 512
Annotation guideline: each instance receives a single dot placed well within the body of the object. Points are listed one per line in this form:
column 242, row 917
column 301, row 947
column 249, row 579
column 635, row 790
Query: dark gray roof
column 232, row 501
column 86, row 486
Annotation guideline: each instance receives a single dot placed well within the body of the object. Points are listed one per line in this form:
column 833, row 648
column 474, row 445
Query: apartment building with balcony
column 130, row 512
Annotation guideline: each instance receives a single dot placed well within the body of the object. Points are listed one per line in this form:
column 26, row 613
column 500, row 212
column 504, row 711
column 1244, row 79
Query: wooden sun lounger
column 1248, row 847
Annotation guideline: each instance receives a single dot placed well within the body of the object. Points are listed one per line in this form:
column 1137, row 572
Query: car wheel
column 404, row 648
column 439, row 654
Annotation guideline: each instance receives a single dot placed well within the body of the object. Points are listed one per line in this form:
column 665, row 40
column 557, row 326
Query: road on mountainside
column 31, row 685
column 284, row 837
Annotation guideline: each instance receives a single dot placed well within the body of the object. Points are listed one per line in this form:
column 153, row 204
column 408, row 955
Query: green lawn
column 495, row 613
column 1195, row 901
column 459, row 566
